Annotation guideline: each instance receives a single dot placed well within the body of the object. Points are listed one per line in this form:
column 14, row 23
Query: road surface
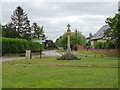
column 45, row 53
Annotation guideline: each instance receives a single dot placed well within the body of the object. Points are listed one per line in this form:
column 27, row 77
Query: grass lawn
column 36, row 73
column 90, row 53
column 96, row 53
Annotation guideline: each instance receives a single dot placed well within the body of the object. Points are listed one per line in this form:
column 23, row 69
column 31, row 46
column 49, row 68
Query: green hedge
column 105, row 45
column 13, row 45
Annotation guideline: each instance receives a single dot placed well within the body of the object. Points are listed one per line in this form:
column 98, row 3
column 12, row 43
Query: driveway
column 45, row 53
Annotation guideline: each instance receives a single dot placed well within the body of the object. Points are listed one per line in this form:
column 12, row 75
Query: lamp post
column 40, row 46
column 68, row 32
column 40, row 41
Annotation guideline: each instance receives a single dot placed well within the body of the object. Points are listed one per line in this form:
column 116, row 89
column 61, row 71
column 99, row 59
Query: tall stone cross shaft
column 68, row 31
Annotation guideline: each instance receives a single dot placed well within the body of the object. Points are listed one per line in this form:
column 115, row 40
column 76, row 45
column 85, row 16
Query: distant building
column 49, row 44
column 99, row 36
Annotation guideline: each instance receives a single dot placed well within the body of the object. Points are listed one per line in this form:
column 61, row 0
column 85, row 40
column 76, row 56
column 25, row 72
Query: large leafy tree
column 76, row 39
column 113, row 33
column 20, row 22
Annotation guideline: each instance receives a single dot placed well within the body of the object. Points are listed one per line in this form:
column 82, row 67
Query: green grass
column 52, row 61
column 36, row 74
column 96, row 53
column 89, row 53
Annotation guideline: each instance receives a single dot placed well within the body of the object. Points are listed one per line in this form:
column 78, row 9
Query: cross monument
column 68, row 32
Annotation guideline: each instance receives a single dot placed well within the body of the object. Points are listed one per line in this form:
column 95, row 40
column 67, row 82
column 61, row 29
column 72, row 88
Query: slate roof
column 100, row 33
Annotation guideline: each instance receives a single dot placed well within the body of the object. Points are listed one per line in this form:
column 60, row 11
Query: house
column 99, row 36
column 49, row 44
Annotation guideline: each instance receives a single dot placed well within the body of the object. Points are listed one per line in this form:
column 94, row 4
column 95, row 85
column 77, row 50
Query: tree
column 90, row 35
column 114, row 29
column 38, row 31
column 0, row 30
column 43, row 36
column 27, row 31
column 62, row 40
column 34, row 29
column 8, row 31
column 88, row 43
column 20, row 21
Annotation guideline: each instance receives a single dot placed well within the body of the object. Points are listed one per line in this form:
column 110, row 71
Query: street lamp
column 40, row 47
column 40, row 41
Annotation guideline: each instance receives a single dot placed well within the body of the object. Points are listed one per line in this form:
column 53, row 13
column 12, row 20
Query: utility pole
column 76, row 36
column 119, row 7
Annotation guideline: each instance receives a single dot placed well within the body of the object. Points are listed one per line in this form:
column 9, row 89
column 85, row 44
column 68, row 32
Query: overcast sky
column 87, row 17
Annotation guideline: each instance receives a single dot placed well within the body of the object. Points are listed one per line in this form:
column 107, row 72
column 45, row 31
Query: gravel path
column 46, row 53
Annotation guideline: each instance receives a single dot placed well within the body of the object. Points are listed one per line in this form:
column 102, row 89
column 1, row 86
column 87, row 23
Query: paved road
column 46, row 53
column 51, row 53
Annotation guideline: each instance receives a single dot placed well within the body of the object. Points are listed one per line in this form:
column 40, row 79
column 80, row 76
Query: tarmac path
column 45, row 53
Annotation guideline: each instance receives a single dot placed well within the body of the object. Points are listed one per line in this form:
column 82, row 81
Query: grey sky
column 54, row 16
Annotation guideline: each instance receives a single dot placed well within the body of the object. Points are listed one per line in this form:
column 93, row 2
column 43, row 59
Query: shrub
column 99, row 45
column 110, row 45
column 104, row 45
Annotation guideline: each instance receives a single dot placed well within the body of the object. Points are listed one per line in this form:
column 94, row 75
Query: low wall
column 108, row 51
column 79, row 47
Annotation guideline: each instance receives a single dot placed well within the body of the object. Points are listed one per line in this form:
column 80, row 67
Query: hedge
column 14, row 45
column 105, row 45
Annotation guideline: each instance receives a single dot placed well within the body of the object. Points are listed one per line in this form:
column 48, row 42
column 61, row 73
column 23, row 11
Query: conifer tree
column 20, row 22
column 38, row 31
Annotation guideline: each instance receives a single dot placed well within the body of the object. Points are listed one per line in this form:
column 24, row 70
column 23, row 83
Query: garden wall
column 79, row 47
column 109, row 51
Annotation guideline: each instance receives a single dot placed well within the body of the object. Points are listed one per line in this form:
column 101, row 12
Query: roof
column 100, row 33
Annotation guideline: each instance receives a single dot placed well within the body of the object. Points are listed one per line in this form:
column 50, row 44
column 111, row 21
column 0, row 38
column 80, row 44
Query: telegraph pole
column 76, row 36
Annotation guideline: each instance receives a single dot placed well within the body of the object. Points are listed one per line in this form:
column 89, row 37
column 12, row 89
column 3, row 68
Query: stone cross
column 68, row 46
column 68, row 26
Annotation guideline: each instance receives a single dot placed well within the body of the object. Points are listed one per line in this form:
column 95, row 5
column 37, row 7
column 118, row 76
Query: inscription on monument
column 28, row 54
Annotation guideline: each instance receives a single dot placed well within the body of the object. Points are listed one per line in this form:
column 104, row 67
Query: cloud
column 54, row 16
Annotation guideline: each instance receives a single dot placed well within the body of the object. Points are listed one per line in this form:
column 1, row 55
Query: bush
column 99, row 45
column 110, row 45
column 13, row 45
column 104, row 45
column 88, row 45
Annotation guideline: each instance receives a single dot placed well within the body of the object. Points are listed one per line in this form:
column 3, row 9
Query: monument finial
column 68, row 26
